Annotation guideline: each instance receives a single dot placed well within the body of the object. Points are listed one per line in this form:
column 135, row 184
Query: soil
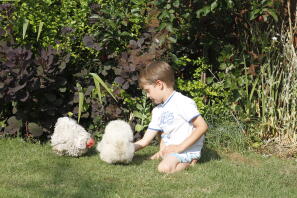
column 281, row 148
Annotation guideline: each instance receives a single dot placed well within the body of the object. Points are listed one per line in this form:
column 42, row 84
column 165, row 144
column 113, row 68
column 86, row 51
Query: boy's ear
column 159, row 83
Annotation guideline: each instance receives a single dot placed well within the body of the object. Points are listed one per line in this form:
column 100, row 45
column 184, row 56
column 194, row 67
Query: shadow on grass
column 209, row 154
column 64, row 179
column 91, row 152
column 44, row 174
column 137, row 160
column 140, row 158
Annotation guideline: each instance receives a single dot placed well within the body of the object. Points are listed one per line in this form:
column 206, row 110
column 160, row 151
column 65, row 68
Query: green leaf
column 98, row 90
column 80, row 101
column 164, row 15
column 230, row 4
column 137, row 114
column 39, row 29
column 97, row 78
column 162, row 26
column 272, row 13
column 267, row 3
column 174, row 58
column 223, row 66
column 209, row 80
column 139, row 127
column 138, row 106
column 255, row 83
column 254, row 14
column 14, row 122
column 25, row 27
column 203, row 11
column 214, row 5
column 173, row 40
column 176, row 3
column 35, row 129
column 63, row 89
column 169, row 28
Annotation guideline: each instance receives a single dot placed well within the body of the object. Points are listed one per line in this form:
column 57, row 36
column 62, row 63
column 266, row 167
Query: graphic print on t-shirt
column 167, row 118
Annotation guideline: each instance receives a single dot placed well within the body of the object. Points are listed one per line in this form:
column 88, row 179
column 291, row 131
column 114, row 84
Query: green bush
column 87, row 36
column 208, row 93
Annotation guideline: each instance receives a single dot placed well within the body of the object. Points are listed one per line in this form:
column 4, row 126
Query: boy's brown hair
column 159, row 70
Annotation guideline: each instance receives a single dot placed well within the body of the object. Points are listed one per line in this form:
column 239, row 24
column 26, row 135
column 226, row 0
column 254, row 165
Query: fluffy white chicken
column 69, row 138
column 117, row 145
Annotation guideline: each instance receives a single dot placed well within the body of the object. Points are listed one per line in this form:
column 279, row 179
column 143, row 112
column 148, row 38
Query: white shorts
column 187, row 157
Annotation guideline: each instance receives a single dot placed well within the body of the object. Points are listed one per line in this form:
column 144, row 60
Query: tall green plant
column 98, row 83
column 278, row 91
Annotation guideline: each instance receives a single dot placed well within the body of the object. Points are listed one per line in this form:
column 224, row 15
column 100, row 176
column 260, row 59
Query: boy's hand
column 156, row 156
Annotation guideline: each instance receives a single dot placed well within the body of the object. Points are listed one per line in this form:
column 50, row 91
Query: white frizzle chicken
column 117, row 145
column 70, row 138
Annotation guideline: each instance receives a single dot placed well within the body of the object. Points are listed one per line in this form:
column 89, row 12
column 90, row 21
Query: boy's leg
column 170, row 164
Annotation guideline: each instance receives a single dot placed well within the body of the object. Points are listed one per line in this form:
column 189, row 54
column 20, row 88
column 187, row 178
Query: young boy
column 176, row 117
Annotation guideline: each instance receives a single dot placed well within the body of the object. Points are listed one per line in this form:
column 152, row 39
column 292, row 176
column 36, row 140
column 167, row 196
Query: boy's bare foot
column 193, row 162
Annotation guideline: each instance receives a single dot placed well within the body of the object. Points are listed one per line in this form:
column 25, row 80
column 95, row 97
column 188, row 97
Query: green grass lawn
column 32, row 170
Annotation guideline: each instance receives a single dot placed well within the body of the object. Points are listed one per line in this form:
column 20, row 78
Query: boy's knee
column 164, row 168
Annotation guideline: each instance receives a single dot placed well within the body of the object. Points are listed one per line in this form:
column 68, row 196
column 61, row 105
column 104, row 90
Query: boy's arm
column 146, row 140
column 200, row 128
column 158, row 155
column 162, row 145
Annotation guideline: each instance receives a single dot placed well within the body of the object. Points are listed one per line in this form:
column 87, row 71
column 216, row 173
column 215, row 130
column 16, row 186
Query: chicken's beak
column 90, row 143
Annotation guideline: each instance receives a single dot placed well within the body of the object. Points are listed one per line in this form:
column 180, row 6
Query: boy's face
column 154, row 92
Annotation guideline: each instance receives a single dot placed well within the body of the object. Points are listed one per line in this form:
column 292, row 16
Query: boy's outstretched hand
column 156, row 156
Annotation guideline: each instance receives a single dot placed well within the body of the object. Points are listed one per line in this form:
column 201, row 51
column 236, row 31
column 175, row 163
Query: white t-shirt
column 173, row 118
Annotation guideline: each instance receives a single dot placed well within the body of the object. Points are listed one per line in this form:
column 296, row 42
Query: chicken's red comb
column 90, row 143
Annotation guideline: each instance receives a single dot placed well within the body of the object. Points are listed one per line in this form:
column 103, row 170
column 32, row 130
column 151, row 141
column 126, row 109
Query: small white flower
column 274, row 38
column 157, row 41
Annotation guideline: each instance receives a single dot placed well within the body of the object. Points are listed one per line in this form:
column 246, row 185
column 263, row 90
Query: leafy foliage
column 25, row 76
column 142, row 113
column 209, row 95
column 140, row 53
column 49, row 48
column 35, row 75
